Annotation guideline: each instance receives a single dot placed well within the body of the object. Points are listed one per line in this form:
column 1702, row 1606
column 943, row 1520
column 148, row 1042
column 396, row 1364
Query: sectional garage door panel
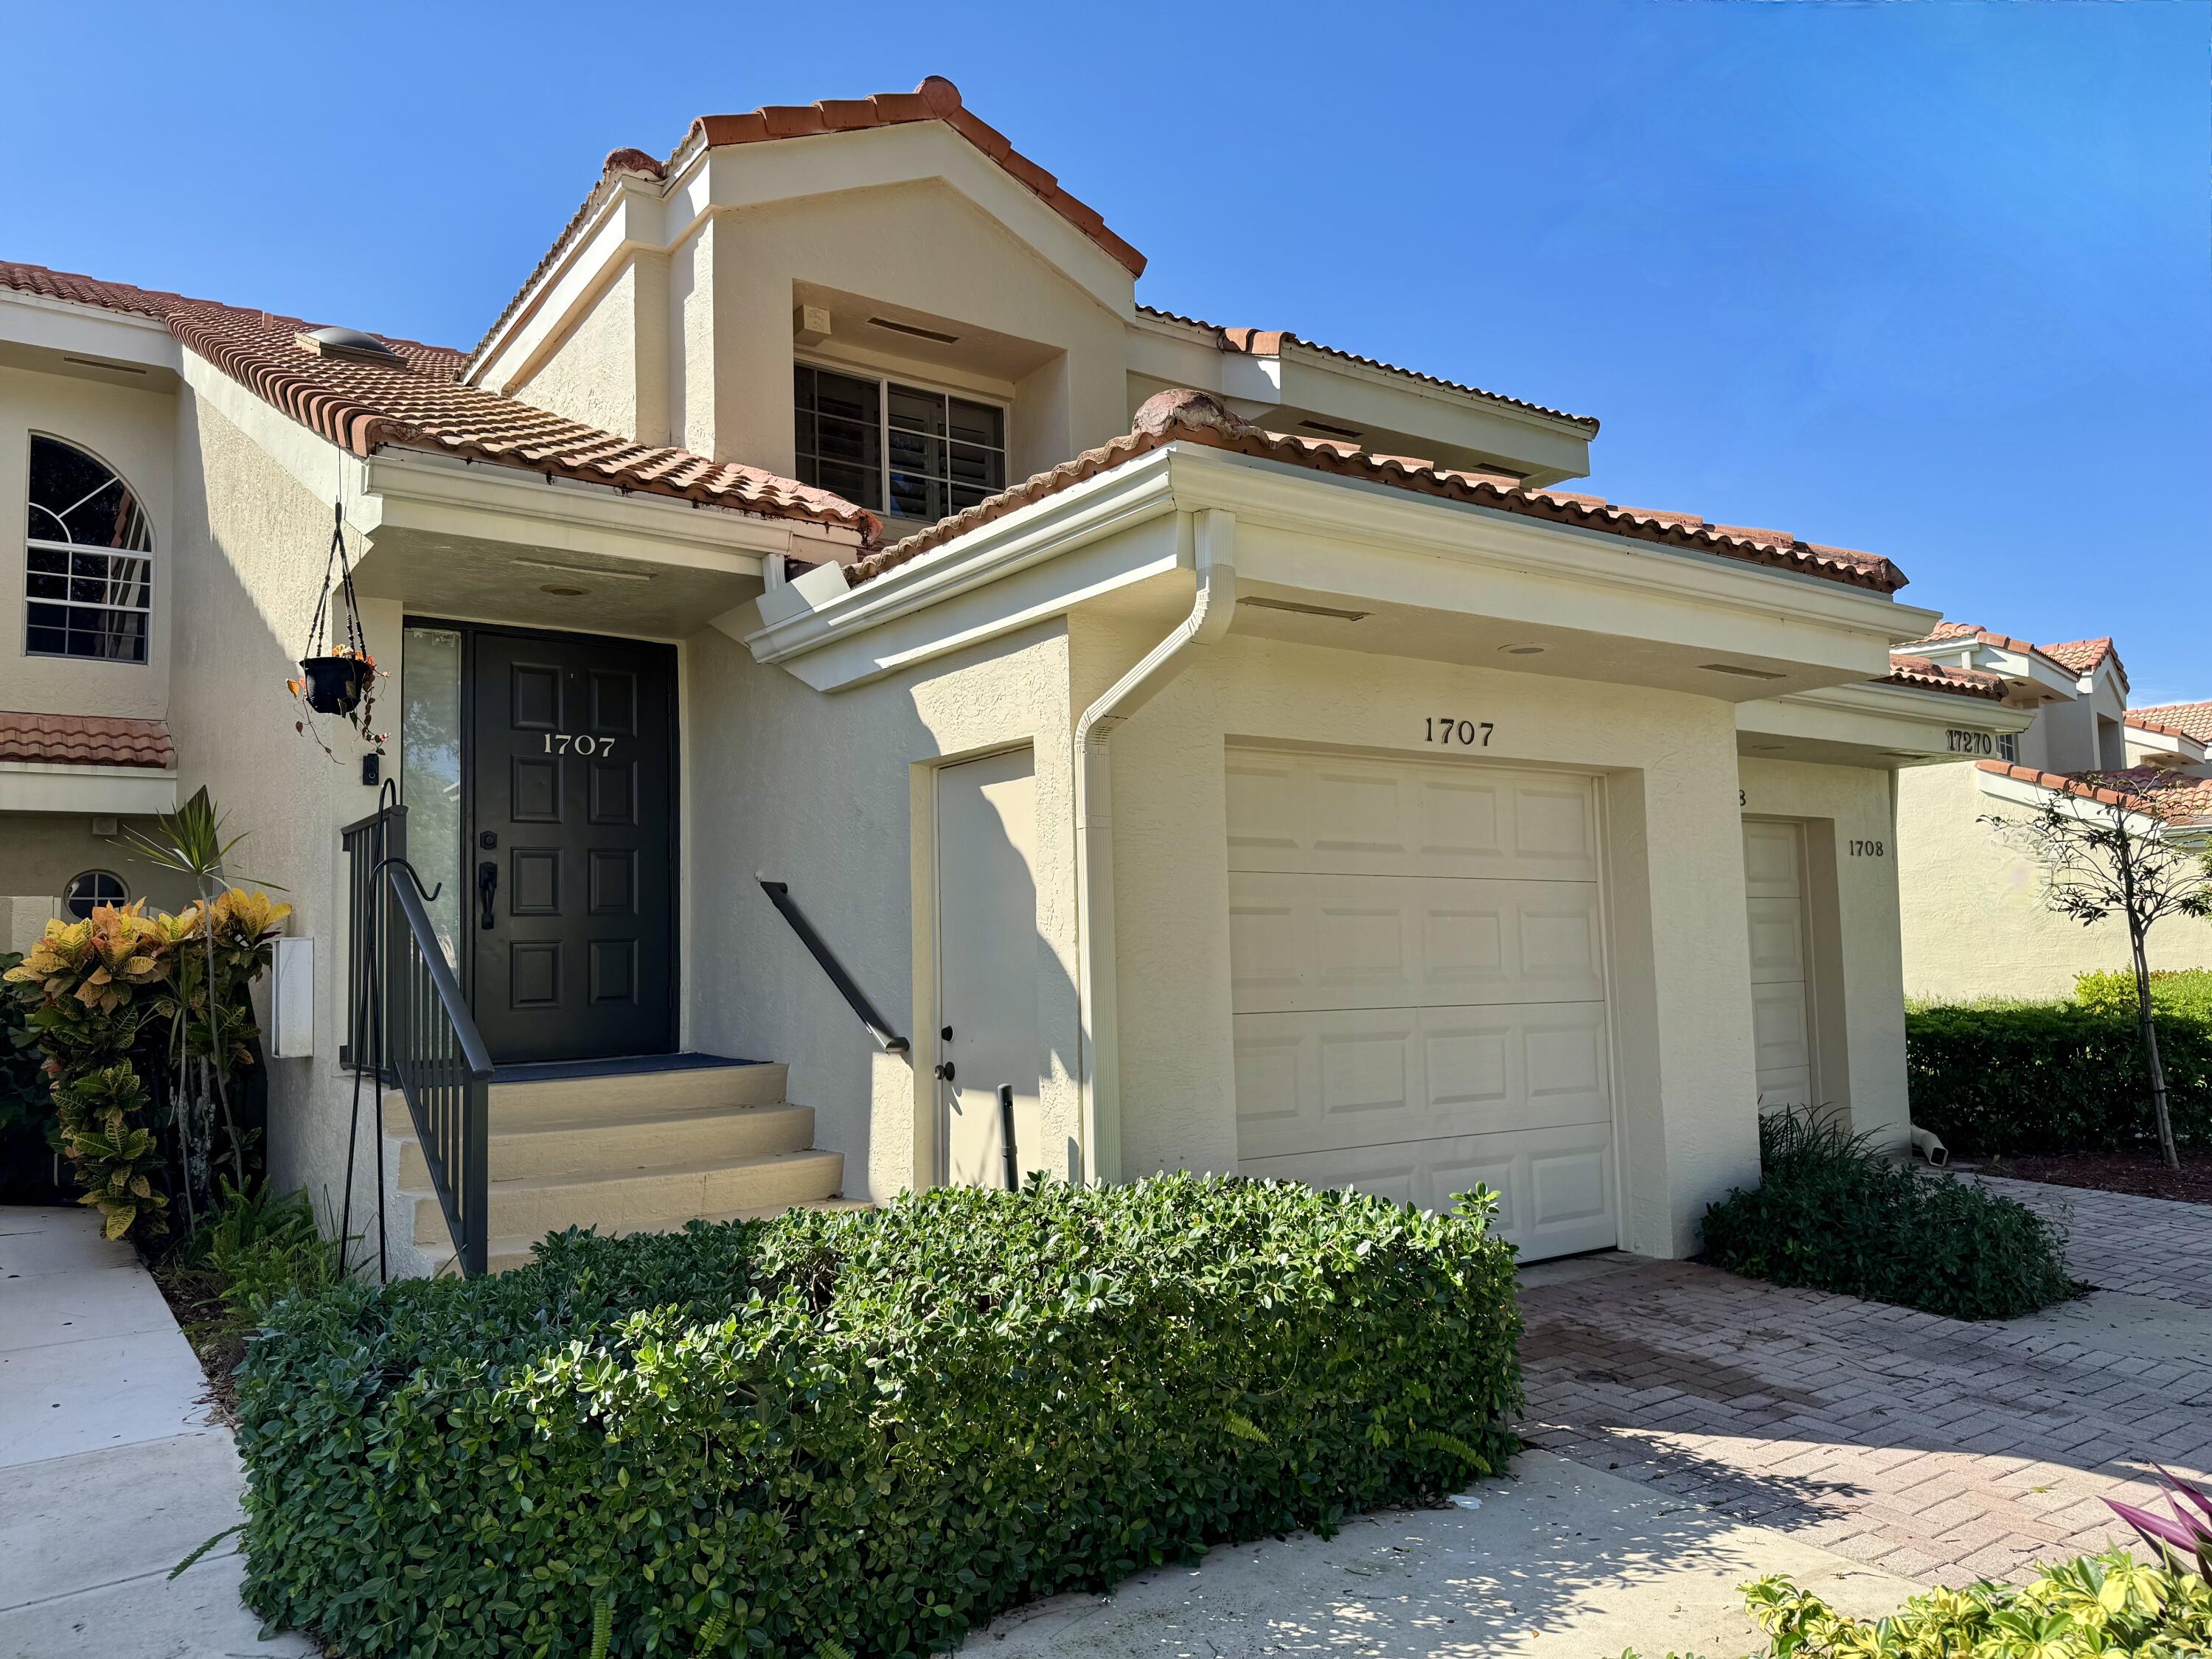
column 1418, row 981
column 1349, row 815
column 1312, row 941
column 1554, row 1188
column 1346, row 1078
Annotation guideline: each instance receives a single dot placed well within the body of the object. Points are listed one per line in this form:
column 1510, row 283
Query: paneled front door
column 571, row 849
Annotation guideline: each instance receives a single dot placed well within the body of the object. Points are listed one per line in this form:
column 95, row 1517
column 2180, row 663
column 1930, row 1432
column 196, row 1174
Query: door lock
column 487, row 886
column 944, row 1070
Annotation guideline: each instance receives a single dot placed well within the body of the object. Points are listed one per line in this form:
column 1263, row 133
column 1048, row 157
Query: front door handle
column 487, row 885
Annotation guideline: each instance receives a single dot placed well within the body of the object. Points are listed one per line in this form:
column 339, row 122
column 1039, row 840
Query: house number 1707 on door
column 1446, row 731
column 560, row 743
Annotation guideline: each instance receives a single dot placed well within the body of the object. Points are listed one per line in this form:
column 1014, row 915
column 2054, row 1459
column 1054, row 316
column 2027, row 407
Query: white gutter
column 1213, row 539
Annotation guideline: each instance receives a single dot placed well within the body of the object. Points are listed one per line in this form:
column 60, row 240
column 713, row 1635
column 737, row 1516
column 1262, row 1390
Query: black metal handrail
column 382, row 835
column 438, row 1057
column 779, row 895
column 409, row 1027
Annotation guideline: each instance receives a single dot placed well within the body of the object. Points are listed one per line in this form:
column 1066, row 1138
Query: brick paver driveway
column 1939, row 1450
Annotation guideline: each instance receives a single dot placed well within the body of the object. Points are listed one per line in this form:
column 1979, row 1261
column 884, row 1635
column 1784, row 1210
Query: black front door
column 570, row 846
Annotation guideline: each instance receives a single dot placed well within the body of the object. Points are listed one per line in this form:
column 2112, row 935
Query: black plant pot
column 335, row 684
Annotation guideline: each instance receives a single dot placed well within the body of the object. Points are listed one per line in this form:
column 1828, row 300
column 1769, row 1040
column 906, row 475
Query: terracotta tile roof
column 935, row 100
column 1951, row 633
column 1198, row 417
column 2083, row 656
column 2063, row 783
column 86, row 740
column 2159, row 727
column 1928, row 676
column 417, row 404
column 1269, row 343
column 2194, row 718
column 2150, row 789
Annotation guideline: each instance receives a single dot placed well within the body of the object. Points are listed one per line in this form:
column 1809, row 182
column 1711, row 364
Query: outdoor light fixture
column 1522, row 650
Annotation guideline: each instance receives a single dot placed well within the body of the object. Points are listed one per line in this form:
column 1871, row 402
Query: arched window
column 90, row 887
column 87, row 580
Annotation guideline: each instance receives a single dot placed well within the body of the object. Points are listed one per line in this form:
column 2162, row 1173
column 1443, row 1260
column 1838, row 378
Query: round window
column 90, row 888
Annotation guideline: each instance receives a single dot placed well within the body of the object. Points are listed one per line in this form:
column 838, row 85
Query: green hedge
column 2186, row 991
column 1829, row 1213
column 2051, row 1078
column 866, row 1432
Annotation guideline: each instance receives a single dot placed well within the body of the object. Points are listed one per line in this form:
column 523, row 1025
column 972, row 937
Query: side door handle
column 487, row 886
column 944, row 1070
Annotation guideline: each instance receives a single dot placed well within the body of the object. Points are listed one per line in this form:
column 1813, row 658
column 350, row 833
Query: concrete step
column 630, row 1140
column 504, row 1253
column 549, row 1102
column 631, row 1201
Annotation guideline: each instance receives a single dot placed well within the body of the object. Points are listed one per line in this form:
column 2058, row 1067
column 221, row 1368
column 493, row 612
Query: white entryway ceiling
column 1417, row 962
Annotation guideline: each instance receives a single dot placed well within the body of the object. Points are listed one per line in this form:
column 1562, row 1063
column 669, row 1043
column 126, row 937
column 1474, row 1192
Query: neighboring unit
column 1976, row 922
column 859, row 680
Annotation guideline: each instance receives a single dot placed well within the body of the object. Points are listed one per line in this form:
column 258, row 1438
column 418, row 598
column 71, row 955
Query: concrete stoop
column 629, row 1152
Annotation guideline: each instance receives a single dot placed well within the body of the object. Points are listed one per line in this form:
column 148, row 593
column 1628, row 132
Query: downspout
column 1213, row 538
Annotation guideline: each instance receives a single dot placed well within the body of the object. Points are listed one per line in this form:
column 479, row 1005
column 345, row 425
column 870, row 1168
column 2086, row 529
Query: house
column 1976, row 923
column 828, row 622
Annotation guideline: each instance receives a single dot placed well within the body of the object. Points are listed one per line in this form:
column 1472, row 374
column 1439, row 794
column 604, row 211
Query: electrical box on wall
column 292, row 999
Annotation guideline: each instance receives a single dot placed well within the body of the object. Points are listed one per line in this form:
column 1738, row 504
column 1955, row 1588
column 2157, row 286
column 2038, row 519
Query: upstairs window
column 2008, row 747
column 87, row 573
column 900, row 450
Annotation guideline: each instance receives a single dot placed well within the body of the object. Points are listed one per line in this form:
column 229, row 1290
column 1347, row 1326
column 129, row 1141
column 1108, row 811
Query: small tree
column 2112, row 848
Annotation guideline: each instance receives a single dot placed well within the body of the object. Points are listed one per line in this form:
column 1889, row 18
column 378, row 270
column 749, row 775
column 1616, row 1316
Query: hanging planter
column 336, row 684
column 338, row 676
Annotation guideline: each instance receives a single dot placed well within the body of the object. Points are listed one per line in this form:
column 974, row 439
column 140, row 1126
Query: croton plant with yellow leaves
column 122, row 999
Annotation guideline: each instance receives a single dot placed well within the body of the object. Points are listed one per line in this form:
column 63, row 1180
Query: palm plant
column 190, row 842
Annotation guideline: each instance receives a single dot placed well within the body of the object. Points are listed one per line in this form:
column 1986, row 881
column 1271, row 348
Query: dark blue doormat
column 548, row 1071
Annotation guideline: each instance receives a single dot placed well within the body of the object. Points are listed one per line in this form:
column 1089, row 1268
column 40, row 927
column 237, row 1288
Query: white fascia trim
column 1115, row 500
column 1193, row 477
column 65, row 325
column 1358, row 511
column 116, row 791
column 631, row 218
column 414, row 489
column 1934, row 708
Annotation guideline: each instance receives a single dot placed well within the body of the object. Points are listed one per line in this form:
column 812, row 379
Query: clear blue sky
column 1930, row 279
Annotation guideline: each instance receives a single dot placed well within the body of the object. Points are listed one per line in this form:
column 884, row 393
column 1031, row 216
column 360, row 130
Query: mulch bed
column 195, row 1300
column 2143, row 1174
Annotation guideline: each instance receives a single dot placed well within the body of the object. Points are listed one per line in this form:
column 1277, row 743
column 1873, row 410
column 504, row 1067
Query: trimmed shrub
column 1829, row 1213
column 2184, row 991
column 2052, row 1078
column 866, row 1432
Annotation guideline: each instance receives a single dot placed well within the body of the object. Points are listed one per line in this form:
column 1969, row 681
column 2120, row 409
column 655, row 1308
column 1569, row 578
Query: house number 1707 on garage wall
column 1447, row 732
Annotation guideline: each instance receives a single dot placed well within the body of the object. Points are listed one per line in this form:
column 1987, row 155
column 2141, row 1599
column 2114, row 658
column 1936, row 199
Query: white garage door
column 1419, row 989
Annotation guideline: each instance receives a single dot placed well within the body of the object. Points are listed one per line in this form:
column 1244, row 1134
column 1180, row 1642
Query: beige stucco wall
column 727, row 291
column 132, row 431
column 250, row 565
column 1852, row 901
column 1974, row 917
column 39, row 852
column 832, row 794
column 1680, row 968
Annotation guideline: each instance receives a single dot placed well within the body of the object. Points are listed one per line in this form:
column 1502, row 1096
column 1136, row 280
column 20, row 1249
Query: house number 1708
column 560, row 743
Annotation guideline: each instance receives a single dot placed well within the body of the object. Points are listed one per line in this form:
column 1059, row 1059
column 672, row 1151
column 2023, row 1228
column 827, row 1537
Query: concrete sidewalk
column 112, row 1469
column 1560, row 1559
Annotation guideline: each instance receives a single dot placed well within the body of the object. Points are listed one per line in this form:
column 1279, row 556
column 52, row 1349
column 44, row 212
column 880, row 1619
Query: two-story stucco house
column 1976, row 922
column 1124, row 720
